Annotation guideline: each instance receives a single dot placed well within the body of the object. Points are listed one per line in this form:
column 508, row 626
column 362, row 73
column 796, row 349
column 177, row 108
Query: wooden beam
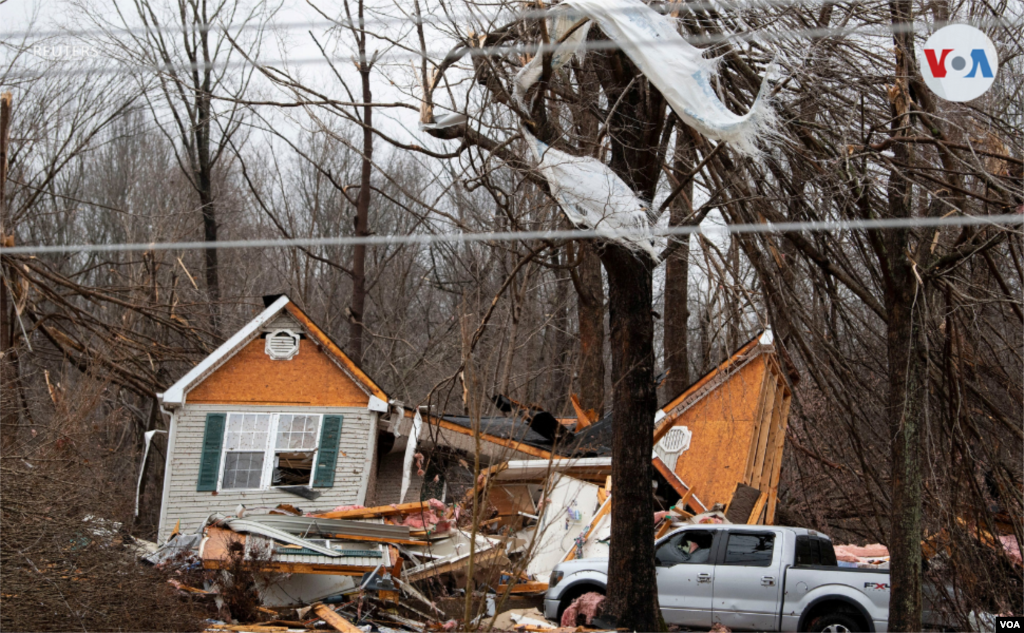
column 378, row 511
column 533, row 586
column 773, row 485
column 755, row 514
column 764, row 433
column 583, row 417
column 762, row 476
column 335, row 621
column 762, row 395
column 672, row 478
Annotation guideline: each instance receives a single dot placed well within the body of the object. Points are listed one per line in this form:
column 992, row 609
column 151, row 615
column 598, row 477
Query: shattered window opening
column 264, row 450
column 750, row 550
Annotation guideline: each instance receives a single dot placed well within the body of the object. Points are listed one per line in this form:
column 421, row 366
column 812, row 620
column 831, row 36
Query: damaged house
column 278, row 414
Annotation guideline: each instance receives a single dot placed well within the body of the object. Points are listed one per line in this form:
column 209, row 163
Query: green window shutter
column 327, row 455
column 209, row 465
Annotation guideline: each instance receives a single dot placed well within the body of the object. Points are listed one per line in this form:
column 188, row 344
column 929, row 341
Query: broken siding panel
column 183, row 502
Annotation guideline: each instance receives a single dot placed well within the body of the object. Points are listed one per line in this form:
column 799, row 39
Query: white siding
column 181, row 501
column 283, row 321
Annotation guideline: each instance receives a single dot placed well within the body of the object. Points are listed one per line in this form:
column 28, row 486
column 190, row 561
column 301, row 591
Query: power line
column 1007, row 220
column 666, row 8
column 865, row 30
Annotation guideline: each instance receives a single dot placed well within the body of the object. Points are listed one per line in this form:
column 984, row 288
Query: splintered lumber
column 379, row 511
column 247, row 628
column 336, row 622
column 672, row 479
column 584, row 418
column 755, row 514
column 533, row 586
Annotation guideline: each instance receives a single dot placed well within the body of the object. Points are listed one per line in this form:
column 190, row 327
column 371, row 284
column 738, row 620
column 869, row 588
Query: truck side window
column 692, row 546
column 751, row 550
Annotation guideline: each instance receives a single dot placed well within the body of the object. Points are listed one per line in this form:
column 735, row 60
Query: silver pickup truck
column 747, row 577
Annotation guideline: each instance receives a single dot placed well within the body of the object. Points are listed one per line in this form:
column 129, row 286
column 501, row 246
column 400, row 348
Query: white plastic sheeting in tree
column 592, row 196
column 677, row 68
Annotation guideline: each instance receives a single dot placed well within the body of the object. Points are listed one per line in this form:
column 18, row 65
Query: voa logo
column 959, row 63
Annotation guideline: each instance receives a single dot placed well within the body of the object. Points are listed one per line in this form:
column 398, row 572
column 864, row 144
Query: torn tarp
column 675, row 66
column 592, row 196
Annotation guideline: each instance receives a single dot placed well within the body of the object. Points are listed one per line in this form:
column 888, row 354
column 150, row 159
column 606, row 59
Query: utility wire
column 666, row 8
column 866, row 30
column 1007, row 220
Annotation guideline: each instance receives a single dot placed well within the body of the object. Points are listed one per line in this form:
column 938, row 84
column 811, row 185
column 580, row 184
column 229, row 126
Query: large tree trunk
column 5, row 325
column 358, row 304
column 632, row 584
column 204, row 179
column 677, row 275
column 590, row 313
column 904, row 304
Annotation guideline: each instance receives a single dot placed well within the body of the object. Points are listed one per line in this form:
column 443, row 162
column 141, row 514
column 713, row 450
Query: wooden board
column 336, row 622
column 773, row 486
column 311, row 378
column 769, row 378
column 769, row 416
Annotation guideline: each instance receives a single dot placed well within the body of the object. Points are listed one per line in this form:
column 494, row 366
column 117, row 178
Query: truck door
column 748, row 580
column 686, row 574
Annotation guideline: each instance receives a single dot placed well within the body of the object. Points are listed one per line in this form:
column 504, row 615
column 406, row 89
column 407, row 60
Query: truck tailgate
column 865, row 590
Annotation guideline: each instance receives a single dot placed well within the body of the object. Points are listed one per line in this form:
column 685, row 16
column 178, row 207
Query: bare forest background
column 185, row 121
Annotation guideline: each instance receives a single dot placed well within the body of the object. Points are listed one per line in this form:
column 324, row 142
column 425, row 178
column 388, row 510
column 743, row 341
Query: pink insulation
column 851, row 553
column 587, row 605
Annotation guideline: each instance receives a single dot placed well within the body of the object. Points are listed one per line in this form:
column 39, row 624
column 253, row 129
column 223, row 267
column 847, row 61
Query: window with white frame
column 262, row 450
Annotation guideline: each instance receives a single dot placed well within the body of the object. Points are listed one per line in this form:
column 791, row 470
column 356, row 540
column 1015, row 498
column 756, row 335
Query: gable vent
column 674, row 444
column 282, row 345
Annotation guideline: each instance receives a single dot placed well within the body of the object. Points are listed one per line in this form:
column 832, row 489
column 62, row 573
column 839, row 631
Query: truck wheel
column 838, row 622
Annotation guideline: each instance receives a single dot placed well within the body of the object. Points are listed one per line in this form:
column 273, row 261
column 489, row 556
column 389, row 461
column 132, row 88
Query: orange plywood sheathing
column 584, row 418
column 722, row 424
column 732, row 361
column 250, row 377
column 335, row 351
column 755, row 514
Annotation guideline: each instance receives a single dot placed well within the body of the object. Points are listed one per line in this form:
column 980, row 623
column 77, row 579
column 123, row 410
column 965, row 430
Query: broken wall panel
column 736, row 418
column 568, row 510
